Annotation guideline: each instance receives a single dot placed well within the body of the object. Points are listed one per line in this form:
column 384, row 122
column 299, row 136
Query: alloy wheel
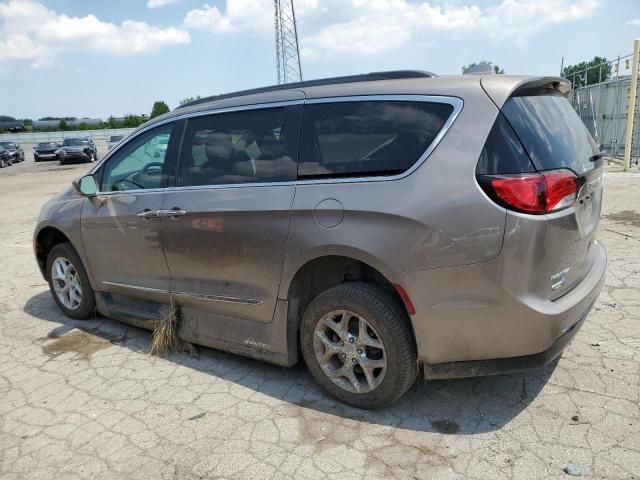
column 350, row 351
column 66, row 283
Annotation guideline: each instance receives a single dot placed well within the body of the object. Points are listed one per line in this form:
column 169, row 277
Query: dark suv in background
column 77, row 150
column 46, row 151
column 5, row 158
column 15, row 151
column 377, row 224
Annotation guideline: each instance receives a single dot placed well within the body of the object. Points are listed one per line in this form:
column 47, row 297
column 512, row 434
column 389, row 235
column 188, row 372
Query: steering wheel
column 122, row 182
column 151, row 165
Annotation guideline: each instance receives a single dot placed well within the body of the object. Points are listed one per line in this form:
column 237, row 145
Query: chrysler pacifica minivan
column 376, row 226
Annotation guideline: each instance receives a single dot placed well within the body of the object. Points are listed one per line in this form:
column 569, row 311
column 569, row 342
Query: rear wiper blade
column 597, row 156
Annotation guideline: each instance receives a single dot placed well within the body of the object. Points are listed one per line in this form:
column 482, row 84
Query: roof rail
column 365, row 77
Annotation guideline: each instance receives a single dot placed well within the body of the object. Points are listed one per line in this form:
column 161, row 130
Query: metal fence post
column 632, row 106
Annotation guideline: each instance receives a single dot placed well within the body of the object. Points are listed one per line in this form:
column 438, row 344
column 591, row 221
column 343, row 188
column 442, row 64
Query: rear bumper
column 480, row 368
column 471, row 313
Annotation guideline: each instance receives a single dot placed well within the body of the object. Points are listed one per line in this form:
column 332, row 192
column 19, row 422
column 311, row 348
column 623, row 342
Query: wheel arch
column 323, row 272
column 45, row 239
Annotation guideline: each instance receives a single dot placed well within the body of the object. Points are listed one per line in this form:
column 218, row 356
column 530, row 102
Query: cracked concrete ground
column 84, row 400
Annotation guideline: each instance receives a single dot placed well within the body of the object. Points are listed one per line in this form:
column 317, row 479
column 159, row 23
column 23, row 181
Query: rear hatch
column 553, row 192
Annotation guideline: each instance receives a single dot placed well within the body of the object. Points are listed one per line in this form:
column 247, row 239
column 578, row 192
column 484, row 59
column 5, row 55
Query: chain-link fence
column 603, row 106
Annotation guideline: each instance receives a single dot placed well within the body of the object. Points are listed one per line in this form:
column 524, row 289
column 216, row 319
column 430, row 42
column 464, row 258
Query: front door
column 121, row 226
column 225, row 246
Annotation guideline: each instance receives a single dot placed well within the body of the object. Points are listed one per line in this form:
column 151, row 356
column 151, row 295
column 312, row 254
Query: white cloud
column 634, row 23
column 240, row 15
column 160, row 3
column 30, row 31
column 373, row 26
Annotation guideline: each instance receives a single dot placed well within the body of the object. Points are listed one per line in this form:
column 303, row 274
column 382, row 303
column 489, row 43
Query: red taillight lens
column 535, row 193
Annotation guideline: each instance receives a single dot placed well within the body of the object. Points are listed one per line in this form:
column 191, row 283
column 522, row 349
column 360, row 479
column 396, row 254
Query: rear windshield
column 551, row 132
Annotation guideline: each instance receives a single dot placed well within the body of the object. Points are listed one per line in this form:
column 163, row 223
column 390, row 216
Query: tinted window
column 238, row 147
column 551, row 132
column 503, row 153
column 138, row 164
column 75, row 142
column 367, row 138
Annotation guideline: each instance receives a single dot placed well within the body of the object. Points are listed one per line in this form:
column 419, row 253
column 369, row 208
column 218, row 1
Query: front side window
column 138, row 164
column 250, row 146
column 363, row 138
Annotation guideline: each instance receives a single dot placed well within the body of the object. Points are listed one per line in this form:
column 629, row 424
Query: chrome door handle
column 148, row 213
column 176, row 212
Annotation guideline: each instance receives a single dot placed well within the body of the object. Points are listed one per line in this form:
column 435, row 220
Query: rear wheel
column 69, row 283
column 357, row 343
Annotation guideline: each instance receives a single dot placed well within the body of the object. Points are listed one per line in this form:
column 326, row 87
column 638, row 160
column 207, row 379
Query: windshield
column 8, row 145
column 47, row 145
column 115, row 138
column 551, row 132
column 74, row 142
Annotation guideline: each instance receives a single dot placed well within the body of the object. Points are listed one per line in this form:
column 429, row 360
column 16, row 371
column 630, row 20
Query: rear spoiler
column 501, row 87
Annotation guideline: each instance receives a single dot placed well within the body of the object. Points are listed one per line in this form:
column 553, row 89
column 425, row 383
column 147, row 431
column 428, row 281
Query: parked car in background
column 377, row 224
column 5, row 158
column 77, row 150
column 15, row 151
column 45, row 151
column 113, row 141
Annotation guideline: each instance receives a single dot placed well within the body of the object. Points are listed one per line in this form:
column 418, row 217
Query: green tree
column 62, row 125
column 497, row 70
column 588, row 72
column 159, row 108
column 189, row 99
column 133, row 121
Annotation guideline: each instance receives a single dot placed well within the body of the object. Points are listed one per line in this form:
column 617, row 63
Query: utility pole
column 631, row 110
column 287, row 51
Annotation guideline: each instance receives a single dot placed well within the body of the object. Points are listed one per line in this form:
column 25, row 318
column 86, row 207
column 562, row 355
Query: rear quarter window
column 551, row 132
column 366, row 138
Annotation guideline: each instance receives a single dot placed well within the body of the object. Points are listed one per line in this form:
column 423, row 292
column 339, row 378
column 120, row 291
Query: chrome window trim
column 456, row 102
column 197, row 296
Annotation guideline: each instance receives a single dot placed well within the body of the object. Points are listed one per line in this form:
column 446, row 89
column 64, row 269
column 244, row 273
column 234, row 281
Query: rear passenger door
column 235, row 184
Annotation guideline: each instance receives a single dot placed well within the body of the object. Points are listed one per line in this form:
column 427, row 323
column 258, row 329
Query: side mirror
column 86, row 186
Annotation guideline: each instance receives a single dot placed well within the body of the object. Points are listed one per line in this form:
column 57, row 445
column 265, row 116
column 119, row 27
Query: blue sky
column 96, row 58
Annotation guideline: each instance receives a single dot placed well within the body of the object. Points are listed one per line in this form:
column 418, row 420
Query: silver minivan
column 376, row 225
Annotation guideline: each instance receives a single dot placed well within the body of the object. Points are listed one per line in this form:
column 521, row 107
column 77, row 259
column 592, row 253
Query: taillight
column 536, row 193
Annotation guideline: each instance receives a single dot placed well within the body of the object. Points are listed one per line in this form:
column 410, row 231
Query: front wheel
column 69, row 283
column 10, row 162
column 357, row 343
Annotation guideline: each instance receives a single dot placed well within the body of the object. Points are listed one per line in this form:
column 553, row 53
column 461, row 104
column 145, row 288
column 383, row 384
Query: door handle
column 147, row 213
column 175, row 212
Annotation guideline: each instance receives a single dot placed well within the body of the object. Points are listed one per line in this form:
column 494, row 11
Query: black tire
column 2, row 163
column 389, row 319
column 10, row 163
column 87, row 306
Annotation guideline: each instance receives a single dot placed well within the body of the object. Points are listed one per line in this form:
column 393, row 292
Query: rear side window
column 348, row 139
column 249, row 146
column 503, row 153
column 552, row 133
